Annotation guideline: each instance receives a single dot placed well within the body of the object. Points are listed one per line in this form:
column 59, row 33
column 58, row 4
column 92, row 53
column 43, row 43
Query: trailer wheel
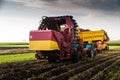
column 95, row 52
column 91, row 53
column 107, row 48
column 76, row 56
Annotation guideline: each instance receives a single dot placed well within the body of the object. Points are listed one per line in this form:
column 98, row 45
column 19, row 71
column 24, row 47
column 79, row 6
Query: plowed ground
column 105, row 66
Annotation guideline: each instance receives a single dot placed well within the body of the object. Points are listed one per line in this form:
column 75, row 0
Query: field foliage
column 16, row 57
column 14, row 44
column 114, row 43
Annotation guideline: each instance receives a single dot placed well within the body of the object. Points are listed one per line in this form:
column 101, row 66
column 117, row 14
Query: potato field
column 104, row 66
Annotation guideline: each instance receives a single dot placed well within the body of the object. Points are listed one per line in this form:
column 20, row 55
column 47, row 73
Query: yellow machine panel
column 43, row 45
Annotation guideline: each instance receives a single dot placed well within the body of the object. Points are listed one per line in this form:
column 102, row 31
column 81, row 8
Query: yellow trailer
column 93, row 36
column 98, row 36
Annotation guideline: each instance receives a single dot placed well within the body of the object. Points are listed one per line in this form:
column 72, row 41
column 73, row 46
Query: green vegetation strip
column 114, row 43
column 14, row 44
column 16, row 57
column 114, row 47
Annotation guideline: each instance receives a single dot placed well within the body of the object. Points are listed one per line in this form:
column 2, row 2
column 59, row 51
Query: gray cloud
column 91, row 14
column 75, row 6
column 94, row 4
column 107, row 5
column 1, row 3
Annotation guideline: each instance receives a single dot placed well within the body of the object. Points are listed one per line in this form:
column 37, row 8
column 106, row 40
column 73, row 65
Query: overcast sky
column 18, row 17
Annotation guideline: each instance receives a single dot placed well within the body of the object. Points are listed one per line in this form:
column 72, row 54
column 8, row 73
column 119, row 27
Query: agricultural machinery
column 60, row 38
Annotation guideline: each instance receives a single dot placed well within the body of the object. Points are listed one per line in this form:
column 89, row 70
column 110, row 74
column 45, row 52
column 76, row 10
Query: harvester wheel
column 51, row 59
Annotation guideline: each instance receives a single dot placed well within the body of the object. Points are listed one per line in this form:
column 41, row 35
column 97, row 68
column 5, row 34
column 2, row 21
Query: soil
column 86, row 69
column 5, row 50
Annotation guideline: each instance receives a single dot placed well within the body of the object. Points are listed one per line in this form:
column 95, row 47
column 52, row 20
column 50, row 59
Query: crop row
column 109, row 73
column 87, row 74
column 42, row 70
column 65, row 71
column 26, row 70
column 85, row 70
